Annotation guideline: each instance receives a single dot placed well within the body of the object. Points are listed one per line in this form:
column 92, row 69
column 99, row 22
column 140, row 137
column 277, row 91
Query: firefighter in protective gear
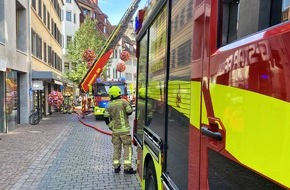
column 142, row 120
column 116, row 117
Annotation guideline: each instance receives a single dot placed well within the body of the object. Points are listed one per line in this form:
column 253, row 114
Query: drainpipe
column 30, row 104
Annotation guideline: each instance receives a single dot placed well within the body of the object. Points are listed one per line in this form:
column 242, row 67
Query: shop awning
column 50, row 77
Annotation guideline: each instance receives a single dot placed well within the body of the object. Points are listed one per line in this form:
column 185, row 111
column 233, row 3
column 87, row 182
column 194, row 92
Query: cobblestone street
column 60, row 153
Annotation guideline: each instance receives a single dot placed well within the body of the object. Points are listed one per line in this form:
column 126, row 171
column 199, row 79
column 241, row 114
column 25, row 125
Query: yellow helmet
column 142, row 92
column 114, row 91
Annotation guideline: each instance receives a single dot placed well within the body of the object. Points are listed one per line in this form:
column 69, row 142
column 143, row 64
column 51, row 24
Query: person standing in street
column 116, row 117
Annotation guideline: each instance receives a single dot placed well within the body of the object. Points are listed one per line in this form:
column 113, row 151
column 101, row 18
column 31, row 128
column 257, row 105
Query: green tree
column 87, row 37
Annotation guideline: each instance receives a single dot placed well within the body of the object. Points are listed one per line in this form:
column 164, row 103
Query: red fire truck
column 101, row 95
column 216, row 111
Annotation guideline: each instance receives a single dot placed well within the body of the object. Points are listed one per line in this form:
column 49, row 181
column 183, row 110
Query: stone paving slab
column 60, row 153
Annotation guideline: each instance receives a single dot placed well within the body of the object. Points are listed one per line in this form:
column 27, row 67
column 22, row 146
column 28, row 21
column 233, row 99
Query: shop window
column 240, row 18
column 11, row 103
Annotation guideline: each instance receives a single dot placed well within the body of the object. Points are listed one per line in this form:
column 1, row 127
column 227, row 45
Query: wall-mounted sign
column 37, row 85
column 3, row 65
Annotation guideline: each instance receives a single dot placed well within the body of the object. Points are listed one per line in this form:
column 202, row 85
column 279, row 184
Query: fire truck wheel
column 150, row 179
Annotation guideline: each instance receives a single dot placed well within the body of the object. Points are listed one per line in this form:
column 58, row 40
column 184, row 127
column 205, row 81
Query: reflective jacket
column 117, row 111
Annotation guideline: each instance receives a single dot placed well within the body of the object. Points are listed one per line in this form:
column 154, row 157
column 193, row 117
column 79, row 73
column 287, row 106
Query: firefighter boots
column 117, row 170
column 130, row 171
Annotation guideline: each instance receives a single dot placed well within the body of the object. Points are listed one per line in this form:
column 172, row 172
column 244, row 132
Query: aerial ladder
column 101, row 60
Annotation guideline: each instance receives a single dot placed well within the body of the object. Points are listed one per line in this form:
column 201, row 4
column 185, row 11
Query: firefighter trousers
column 120, row 140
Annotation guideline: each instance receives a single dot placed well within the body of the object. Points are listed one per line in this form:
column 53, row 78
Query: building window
column 128, row 76
column 135, row 62
column 73, row 66
column 36, row 43
column 40, row 8
column 66, row 67
column 21, row 27
column 189, row 10
column 75, row 18
column 33, row 3
column 68, row 1
column 33, row 42
column 115, row 73
column 184, row 53
column 68, row 40
column 2, row 23
column 44, row 52
column 48, row 21
column 242, row 18
column 182, row 17
column 68, row 15
column 39, row 47
column 61, row 16
column 176, row 23
column 86, row 12
column 173, row 59
column 44, row 14
column 49, row 55
column 52, row 58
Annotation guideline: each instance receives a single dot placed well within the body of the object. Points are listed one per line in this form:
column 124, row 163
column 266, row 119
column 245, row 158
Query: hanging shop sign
column 37, row 85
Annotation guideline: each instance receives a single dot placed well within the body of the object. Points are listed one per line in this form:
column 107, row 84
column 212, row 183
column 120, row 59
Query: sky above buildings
column 115, row 9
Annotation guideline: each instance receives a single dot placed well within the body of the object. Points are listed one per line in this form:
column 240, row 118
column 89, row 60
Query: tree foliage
column 87, row 37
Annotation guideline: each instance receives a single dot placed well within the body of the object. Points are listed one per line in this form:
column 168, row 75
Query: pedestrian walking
column 116, row 117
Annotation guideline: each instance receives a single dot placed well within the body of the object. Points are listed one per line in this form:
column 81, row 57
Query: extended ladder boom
column 102, row 58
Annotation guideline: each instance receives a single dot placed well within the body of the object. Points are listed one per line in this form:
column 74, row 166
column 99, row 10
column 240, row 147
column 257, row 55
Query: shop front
column 46, row 82
column 9, row 92
column 3, row 124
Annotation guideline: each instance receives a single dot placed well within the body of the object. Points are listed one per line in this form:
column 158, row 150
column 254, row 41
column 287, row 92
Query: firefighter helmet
column 142, row 92
column 114, row 91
